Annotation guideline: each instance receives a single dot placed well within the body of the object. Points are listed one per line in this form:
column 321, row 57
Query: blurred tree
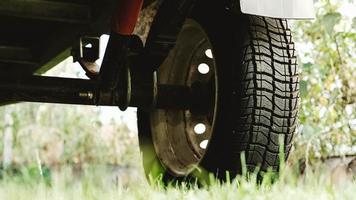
column 8, row 141
column 327, row 58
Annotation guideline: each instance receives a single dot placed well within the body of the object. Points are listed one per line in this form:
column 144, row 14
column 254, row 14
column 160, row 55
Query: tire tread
column 270, row 96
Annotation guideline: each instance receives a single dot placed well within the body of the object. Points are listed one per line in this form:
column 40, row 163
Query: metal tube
column 49, row 90
column 87, row 92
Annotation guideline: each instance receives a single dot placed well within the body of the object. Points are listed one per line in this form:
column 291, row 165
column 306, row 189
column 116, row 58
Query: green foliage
column 93, row 185
column 57, row 135
column 327, row 57
column 329, row 21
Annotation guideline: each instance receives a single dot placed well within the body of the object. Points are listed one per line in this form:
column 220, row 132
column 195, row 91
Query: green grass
column 94, row 184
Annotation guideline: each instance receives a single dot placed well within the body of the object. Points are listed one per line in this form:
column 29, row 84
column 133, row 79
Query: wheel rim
column 181, row 138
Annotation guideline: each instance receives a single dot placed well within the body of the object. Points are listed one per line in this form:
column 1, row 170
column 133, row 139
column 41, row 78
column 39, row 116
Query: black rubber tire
column 258, row 97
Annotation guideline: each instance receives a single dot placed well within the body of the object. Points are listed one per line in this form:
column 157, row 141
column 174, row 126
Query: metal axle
column 88, row 92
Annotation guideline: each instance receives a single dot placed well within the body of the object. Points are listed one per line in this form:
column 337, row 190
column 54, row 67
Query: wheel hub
column 181, row 137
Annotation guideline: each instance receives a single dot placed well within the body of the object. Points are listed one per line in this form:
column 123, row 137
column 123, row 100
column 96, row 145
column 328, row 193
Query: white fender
column 289, row 9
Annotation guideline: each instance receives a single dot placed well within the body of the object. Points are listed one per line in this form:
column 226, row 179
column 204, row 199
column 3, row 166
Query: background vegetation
column 327, row 60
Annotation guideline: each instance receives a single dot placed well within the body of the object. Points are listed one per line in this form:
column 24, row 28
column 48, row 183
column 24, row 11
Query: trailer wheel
column 245, row 69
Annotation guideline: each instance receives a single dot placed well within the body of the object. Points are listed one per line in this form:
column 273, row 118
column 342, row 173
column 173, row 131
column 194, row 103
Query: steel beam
column 46, row 10
column 16, row 55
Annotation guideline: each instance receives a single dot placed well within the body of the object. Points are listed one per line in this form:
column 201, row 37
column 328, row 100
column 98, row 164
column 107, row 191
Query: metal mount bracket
column 86, row 52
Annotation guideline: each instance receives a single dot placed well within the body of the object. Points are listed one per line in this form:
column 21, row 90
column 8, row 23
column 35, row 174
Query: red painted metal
column 125, row 18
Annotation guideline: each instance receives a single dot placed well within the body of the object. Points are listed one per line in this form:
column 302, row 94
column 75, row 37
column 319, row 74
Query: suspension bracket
column 127, row 75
